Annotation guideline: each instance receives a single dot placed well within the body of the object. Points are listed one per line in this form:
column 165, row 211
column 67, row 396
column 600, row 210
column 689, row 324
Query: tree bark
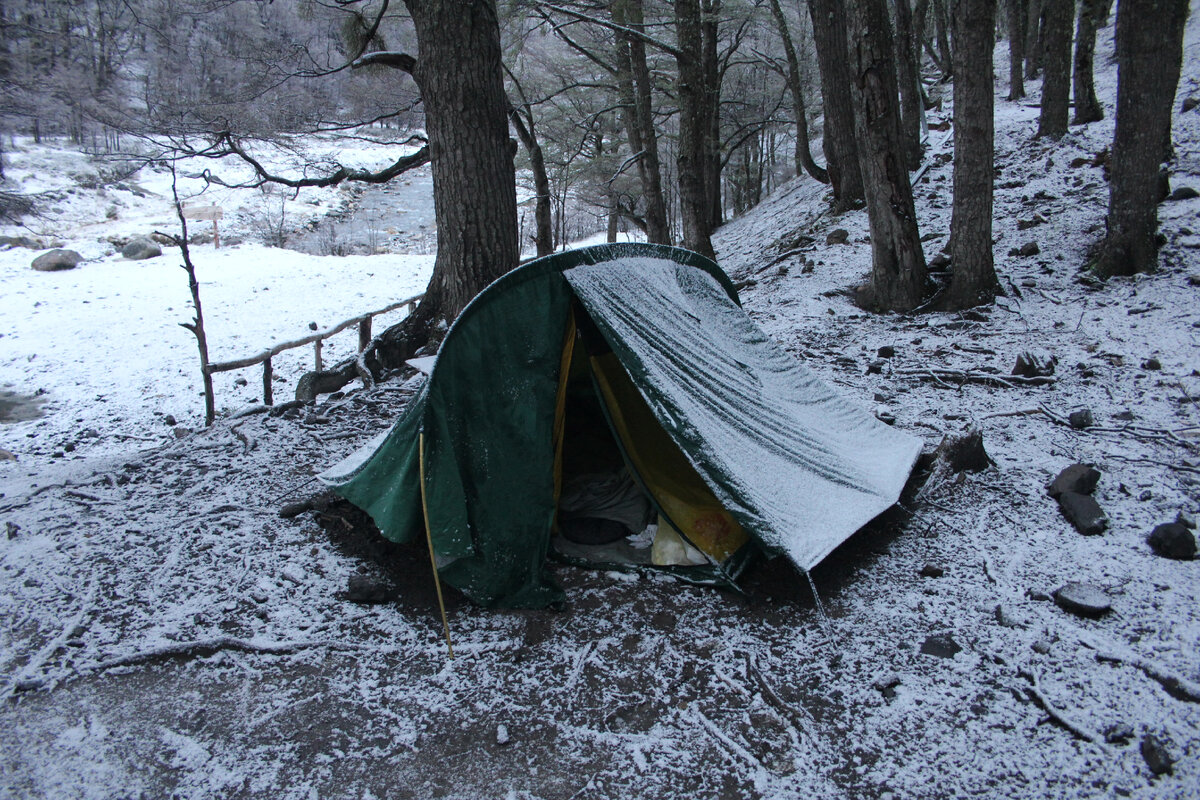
column 1033, row 38
column 458, row 71
column 908, row 75
column 973, row 276
column 691, row 161
column 543, row 235
column 841, row 149
column 1087, row 107
column 803, row 159
column 1018, row 21
column 710, row 14
column 941, row 21
column 1056, row 68
column 898, row 262
column 1149, row 55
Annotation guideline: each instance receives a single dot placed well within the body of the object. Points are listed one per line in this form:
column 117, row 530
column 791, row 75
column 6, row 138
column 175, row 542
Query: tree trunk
column 1087, row 107
column 898, row 262
column 907, row 73
column 710, row 13
column 458, row 71
column 973, row 277
column 1018, row 20
column 639, row 121
column 1033, row 38
column 694, row 209
column 1149, row 54
column 1056, row 68
column 942, row 26
column 841, row 149
column 804, row 159
column 543, row 235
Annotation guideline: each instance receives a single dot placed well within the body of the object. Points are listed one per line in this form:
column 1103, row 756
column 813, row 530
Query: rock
column 1083, row 599
column 887, row 684
column 1079, row 478
column 939, row 263
column 1183, row 193
column 1157, row 758
column 1034, row 365
column 502, row 737
column 141, row 248
column 932, row 571
column 940, row 645
column 367, row 591
column 1124, row 416
column 56, row 260
column 1082, row 511
column 312, row 326
column 837, row 236
column 1041, row 646
column 1118, row 733
column 291, row 510
column 1028, row 249
column 1152, row 363
column 170, row 419
column 1193, row 280
column 876, row 367
column 1173, row 540
column 1186, row 519
column 293, row 573
column 163, row 239
column 887, row 351
column 964, row 453
column 1080, row 161
column 180, row 431
column 1081, row 418
column 1189, row 103
column 27, row 242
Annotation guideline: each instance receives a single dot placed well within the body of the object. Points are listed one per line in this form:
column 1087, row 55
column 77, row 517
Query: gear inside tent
column 615, row 406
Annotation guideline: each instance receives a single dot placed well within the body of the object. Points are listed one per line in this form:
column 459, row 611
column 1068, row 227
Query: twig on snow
column 1176, row 686
column 1060, row 717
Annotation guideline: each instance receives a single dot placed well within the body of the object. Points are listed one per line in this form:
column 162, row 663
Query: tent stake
column 820, row 606
column 437, row 581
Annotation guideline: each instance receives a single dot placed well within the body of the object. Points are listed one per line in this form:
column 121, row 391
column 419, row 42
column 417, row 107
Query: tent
column 628, row 357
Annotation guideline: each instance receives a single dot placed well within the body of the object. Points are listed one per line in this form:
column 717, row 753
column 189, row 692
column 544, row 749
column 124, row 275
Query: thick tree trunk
column 1056, row 68
column 1087, row 107
column 804, row 159
column 458, row 70
column 898, row 262
column 1018, row 21
column 1033, row 38
column 691, row 160
column 973, row 276
column 941, row 21
column 841, row 149
column 1149, row 54
column 639, row 118
column 907, row 74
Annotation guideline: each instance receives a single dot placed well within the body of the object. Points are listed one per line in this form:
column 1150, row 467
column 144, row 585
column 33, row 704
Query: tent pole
column 820, row 607
column 437, row 581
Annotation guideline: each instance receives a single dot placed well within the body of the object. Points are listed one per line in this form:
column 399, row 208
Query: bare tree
column 1149, row 55
column 898, row 261
column 1087, row 107
column 973, row 277
column 804, row 159
column 1056, row 68
column 1018, row 21
column 841, row 148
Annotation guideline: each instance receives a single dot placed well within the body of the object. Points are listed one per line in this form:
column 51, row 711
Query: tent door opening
column 627, row 494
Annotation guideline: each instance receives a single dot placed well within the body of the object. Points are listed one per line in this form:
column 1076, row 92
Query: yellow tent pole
column 437, row 581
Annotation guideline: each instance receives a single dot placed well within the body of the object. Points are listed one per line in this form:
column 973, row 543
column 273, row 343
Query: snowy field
column 166, row 633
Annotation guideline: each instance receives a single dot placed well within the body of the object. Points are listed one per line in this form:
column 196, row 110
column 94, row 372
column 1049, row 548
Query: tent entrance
column 628, row 496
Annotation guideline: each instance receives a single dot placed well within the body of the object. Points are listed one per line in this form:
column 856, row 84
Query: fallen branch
column 941, row 376
column 1060, row 717
column 1176, row 686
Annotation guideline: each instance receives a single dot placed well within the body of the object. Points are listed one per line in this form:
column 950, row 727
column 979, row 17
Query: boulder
column 140, row 249
column 368, row 591
column 56, row 260
column 1183, row 193
column 1081, row 418
column 1083, row 599
column 1157, row 758
column 940, row 645
column 1082, row 511
column 1034, row 365
column 838, row 236
column 1079, row 478
column 1173, row 540
column 1029, row 249
column 964, row 453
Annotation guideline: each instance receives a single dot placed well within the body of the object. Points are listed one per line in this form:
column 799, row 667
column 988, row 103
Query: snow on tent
column 615, row 405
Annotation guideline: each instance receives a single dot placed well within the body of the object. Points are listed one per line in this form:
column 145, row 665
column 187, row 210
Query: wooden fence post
column 268, row 392
column 364, row 334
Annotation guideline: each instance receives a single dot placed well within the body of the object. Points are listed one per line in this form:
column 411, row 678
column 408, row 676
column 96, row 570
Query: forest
column 972, row 219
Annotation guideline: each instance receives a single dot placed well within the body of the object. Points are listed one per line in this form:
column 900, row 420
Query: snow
column 148, row 556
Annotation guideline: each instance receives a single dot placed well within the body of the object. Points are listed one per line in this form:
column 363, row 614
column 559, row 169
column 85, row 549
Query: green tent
column 632, row 357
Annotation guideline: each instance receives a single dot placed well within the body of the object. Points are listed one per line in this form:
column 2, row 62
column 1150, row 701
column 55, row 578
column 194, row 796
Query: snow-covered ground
column 166, row 633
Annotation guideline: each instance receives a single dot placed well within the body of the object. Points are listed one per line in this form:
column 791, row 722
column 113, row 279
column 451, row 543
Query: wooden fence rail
column 363, row 321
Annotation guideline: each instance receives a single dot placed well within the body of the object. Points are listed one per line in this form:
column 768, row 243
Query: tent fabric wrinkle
column 799, row 468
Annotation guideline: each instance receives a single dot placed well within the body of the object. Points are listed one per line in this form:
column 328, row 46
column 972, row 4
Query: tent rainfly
column 615, row 405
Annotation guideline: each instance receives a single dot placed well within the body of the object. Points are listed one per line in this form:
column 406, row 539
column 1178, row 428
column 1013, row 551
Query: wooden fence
column 363, row 321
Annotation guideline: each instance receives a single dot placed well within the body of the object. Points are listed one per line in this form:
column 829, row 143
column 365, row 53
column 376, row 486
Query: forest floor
column 166, row 633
